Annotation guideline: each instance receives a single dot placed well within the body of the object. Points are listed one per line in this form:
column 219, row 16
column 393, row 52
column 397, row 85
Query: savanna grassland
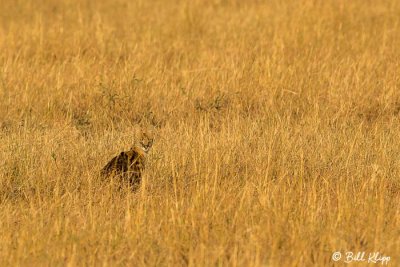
column 276, row 125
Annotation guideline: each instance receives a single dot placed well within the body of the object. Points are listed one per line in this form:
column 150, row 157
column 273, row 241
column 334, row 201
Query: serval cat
column 129, row 165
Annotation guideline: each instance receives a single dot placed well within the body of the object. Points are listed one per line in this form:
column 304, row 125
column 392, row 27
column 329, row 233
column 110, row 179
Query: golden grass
column 276, row 122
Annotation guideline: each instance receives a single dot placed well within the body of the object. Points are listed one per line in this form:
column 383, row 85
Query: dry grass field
column 276, row 124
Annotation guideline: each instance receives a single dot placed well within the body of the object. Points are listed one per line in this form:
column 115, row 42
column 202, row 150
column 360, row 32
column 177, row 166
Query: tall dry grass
column 276, row 123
